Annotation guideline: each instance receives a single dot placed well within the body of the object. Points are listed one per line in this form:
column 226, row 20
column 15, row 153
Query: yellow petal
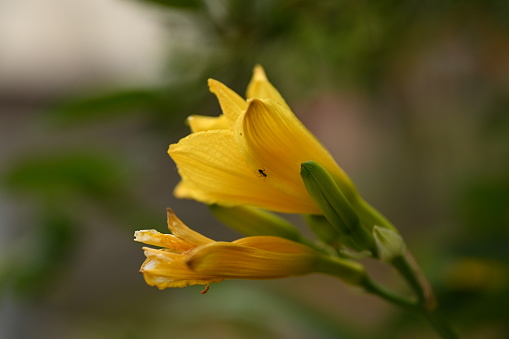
column 242, row 262
column 231, row 103
column 165, row 269
column 184, row 191
column 260, row 88
column 274, row 244
column 214, row 171
column 272, row 137
column 199, row 123
column 180, row 230
column 152, row 237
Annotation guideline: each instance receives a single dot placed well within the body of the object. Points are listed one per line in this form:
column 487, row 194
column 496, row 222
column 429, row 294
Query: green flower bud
column 335, row 207
column 323, row 229
column 253, row 221
column 389, row 244
column 369, row 216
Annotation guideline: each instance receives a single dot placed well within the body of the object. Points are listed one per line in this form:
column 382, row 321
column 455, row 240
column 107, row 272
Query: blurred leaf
column 186, row 4
column 62, row 175
column 255, row 309
column 496, row 119
column 478, row 289
column 32, row 271
column 484, row 205
column 105, row 105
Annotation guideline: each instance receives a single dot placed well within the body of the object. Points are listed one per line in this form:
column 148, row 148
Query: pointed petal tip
column 259, row 73
column 172, row 219
column 170, row 148
column 213, row 84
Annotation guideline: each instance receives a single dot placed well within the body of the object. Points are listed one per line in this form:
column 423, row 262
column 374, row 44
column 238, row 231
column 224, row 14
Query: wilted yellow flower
column 251, row 154
column 189, row 258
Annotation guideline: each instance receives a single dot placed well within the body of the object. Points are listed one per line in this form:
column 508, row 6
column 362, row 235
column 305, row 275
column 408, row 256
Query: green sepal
column 389, row 244
column 335, row 207
column 252, row 221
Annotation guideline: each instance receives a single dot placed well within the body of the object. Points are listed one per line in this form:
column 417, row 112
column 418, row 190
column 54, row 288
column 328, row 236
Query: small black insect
column 262, row 173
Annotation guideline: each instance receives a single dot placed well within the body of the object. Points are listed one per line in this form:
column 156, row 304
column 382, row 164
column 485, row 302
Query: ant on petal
column 262, row 173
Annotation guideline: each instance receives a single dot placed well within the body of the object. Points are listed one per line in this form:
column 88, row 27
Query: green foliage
column 181, row 4
column 53, row 240
column 102, row 106
column 484, row 206
column 66, row 175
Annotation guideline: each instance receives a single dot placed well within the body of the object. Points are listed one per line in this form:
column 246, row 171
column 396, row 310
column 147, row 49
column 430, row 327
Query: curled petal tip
column 172, row 220
column 145, row 235
column 170, row 215
column 254, row 102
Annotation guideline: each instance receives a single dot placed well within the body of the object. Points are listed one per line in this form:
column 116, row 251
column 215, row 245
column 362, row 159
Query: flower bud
column 389, row 244
column 322, row 229
column 335, row 207
column 252, row 221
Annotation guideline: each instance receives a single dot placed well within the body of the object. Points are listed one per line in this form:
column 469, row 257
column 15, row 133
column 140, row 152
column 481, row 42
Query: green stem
column 436, row 321
column 372, row 287
column 439, row 324
column 407, row 267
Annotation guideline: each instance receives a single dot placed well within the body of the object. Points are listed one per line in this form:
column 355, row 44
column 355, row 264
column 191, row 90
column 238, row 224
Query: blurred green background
column 411, row 98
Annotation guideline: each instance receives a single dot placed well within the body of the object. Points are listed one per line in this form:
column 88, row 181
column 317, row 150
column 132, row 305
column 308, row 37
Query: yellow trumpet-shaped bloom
column 189, row 258
column 251, row 154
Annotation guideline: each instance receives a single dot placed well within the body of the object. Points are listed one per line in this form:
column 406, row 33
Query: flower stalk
column 441, row 327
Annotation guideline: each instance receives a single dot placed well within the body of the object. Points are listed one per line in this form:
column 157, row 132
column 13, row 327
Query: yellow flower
column 189, row 258
column 251, row 154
